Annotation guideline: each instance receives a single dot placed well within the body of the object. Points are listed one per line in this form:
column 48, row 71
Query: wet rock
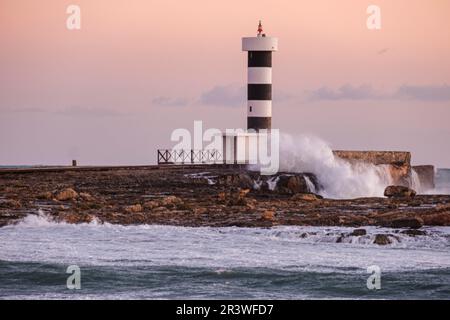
column 151, row 204
column 67, row 194
column 414, row 232
column 241, row 180
column 399, row 192
column 309, row 197
column 74, row 218
column 11, row 204
column 438, row 219
column 358, row 232
column 86, row 196
column 134, row 208
column 171, row 201
column 382, row 239
column 222, row 197
column 413, row 223
column 200, row 211
column 291, row 184
column 45, row 195
column 268, row 215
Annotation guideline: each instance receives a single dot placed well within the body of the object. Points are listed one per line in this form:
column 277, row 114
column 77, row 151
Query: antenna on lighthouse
column 260, row 29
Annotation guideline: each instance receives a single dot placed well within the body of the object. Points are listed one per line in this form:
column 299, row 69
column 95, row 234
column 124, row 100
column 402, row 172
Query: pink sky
column 112, row 92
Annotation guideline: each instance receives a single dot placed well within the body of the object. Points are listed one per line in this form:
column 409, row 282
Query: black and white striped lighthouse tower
column 259, row 87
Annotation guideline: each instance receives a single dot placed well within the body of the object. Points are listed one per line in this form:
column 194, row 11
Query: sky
column 113, row 91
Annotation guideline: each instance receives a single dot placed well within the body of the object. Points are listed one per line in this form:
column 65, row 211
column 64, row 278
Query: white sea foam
column 338, row 177
column 36, row 239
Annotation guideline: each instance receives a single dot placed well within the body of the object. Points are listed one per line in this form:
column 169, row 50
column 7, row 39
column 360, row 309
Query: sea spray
column 338, row 178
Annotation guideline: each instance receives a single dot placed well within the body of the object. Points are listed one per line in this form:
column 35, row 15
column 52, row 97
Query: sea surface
column 168, row 262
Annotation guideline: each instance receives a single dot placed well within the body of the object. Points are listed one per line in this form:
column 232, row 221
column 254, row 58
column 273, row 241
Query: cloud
column 22, row 110
column 346, row 92
column 367, row 92
column 228, row 95
column 170, row 102
column 424, row 93
column 86, row 111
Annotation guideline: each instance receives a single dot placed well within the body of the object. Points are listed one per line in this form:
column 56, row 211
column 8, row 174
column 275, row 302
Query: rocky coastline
column 208, row 196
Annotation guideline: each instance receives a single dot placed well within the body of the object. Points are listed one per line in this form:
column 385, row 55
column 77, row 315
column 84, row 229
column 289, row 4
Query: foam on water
column 36, row 239
column 338, row 177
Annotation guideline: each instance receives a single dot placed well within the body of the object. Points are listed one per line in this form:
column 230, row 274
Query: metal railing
column 182, row 156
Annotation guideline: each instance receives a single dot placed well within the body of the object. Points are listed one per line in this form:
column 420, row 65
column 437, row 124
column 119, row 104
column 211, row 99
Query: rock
column 237, row 197
column 241, row 180
column 200, row 211
column 358, row 232
column 133, row 208
column 45, row 195
column 86, row 196
column 291, row 184
column 438, row 219
column 309, row 197
column 268, row 215
column 171, row 201
column 76, row 217
column 151, row 204
column 399, row 192
column 11, row 203
column 414, row 232
column 67, row 194
column 382, row 239
column 413, row 223
column 222, row 197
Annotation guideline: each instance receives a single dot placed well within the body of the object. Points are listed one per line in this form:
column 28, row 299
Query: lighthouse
column 259, row 79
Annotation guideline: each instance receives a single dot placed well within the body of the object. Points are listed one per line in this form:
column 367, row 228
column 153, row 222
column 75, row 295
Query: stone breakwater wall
column 398, row 164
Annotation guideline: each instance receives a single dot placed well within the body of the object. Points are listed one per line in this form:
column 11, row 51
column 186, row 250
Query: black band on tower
column 260, row 91
column 258, row 123
column 260, row 59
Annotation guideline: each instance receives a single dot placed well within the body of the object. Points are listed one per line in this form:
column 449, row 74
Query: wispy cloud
column 345, row 92
column 228, row 95
column 79, row 111
column 170, row 102
column 21, row 110
column 367, row 92
column 424, row 93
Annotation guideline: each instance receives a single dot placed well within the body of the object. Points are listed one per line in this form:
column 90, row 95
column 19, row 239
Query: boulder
column 308, row 197
column 241, row 180
column 358, row 232
column 67, row 194
column 86, row 196
column 291, row 184
column 382, row 239
column 133, row 208
column 171, row 201
column 151, row 204
column 414, row 232
column 268, row 215
column 399, row 192
column 437, row 219
column 413, row 223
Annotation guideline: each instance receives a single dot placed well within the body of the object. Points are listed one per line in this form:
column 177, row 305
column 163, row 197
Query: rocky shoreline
column 206, row 197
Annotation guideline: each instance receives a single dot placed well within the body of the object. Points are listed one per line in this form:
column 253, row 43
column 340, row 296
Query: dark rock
column 382, row 239
column 291, row 184
column 414, row 232
column 399, row 192
column 306, row 197
column 67, row 194
column 413, row 223
column 358, row 232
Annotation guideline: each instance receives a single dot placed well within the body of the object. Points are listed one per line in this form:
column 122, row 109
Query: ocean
column 168, row 262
